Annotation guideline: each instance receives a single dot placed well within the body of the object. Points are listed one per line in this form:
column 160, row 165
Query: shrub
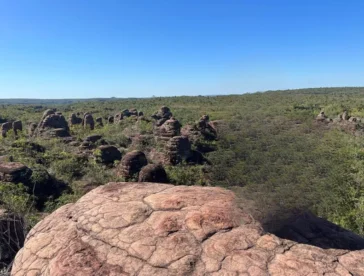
column 20, row 205
column 64, row 199
column 186, row 175
column 68, row 169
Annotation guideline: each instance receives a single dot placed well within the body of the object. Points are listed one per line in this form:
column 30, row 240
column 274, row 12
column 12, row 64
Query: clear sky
column 141, row 48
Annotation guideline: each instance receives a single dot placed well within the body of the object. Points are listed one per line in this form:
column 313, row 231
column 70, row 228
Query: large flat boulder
column 160, row 229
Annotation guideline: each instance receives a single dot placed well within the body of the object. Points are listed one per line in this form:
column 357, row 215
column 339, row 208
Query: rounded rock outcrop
column 107, row 154
column 52, row 125
column 159, row 229
column 74, row 120
column 178, row 149
column 201, row 130
column 88, row 121
column 17, row 126
column 48, row 112
column 131, row 164
column 54, row 121
column 153, row 173
column 162, row 115
column 5, row 127
column 170, row 128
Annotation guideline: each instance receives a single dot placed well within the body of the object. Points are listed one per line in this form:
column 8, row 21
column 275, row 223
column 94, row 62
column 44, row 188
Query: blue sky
column 141, row 48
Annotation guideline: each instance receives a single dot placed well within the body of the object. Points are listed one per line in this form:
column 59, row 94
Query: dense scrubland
column 269, row 149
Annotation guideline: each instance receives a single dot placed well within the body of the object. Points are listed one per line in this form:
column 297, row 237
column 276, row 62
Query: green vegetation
column 270, row 149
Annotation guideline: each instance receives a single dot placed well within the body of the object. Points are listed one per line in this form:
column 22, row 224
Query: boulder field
column 161, row 229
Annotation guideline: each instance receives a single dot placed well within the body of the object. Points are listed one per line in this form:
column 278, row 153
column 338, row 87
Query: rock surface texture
column 159, row 229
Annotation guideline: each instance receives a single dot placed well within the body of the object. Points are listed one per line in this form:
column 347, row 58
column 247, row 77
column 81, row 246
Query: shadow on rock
column 309, row 229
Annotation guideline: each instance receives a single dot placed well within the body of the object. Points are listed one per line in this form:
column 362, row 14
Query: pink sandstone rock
column 159, row 229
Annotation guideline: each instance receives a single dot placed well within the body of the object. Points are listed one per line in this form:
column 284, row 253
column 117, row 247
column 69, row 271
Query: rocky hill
column 160, row 229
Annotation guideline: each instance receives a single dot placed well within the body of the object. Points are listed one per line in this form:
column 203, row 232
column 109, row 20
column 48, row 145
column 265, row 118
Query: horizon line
column 155, row 96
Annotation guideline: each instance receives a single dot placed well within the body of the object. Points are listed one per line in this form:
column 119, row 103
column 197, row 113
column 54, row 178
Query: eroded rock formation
column 74, row 120
column 153, row 173
column 131, row 164
column 133, row 112
column 107, row 154
column 343, row 121
column 158, row 229
column 126, row 113
column 118, row 117
column 5, row 127
column 53, row 124
column 162, row 115
column 168, row 129
column 54, row 121
column 32, row 128
column 14, row 172
column 110, row 119
column 17, row 126
column 178, row 149
column 90, row 141
column 88, row 121
column 203, row 129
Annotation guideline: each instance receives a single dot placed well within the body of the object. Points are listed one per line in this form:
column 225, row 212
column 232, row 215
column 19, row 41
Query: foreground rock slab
column 160, row 229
